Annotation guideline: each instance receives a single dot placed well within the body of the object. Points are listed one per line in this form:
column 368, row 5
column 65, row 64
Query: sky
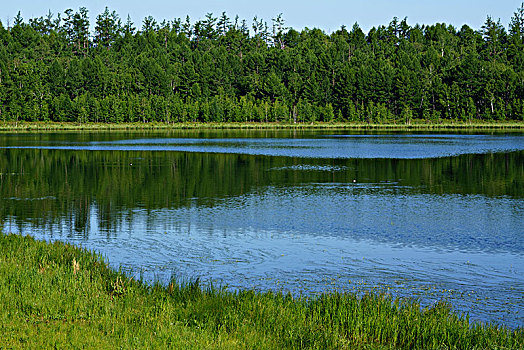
column 328, row 15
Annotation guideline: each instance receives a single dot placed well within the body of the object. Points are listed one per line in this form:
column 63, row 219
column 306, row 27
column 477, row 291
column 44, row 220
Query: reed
column 58, row 295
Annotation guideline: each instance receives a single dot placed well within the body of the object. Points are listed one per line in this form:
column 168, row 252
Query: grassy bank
column 417, row 125
column 59, row 295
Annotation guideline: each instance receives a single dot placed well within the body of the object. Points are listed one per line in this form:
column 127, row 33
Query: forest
column 65, row 68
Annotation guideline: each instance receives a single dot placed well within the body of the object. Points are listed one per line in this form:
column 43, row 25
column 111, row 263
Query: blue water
column 294, row 229
column 317, row 146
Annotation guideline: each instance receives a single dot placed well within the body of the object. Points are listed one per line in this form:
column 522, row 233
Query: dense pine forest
column 220, row 69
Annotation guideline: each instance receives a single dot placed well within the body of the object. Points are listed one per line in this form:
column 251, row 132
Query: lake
column 429, row 216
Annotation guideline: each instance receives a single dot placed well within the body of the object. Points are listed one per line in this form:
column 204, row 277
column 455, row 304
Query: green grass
column 415, row 125
column 58, row 295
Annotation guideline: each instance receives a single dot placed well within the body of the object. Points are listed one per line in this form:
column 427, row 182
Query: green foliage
column 57, row 295
column 216, row 70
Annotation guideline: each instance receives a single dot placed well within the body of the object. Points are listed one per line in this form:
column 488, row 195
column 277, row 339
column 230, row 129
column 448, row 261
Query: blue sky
column 327, row 15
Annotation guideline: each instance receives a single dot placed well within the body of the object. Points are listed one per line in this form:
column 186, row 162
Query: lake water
column 430, row 216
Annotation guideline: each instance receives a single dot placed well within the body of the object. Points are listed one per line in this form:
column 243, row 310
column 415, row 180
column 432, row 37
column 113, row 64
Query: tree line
column 218, row 69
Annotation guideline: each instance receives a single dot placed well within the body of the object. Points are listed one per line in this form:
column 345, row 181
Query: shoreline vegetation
column 416, row 125
column 56, row 294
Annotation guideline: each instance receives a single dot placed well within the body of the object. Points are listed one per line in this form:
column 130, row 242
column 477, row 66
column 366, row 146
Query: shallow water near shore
column 430, row 216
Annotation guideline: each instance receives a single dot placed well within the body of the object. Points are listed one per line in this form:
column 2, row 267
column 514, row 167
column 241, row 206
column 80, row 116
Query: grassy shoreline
column 416, row 125
column 55, row 294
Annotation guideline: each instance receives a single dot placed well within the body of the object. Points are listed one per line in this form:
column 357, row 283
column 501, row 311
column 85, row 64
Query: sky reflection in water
column 300, row 223
column 322, row 146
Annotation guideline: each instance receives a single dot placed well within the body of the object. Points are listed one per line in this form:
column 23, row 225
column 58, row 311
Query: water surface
column 430, row 216
column 305, row 146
